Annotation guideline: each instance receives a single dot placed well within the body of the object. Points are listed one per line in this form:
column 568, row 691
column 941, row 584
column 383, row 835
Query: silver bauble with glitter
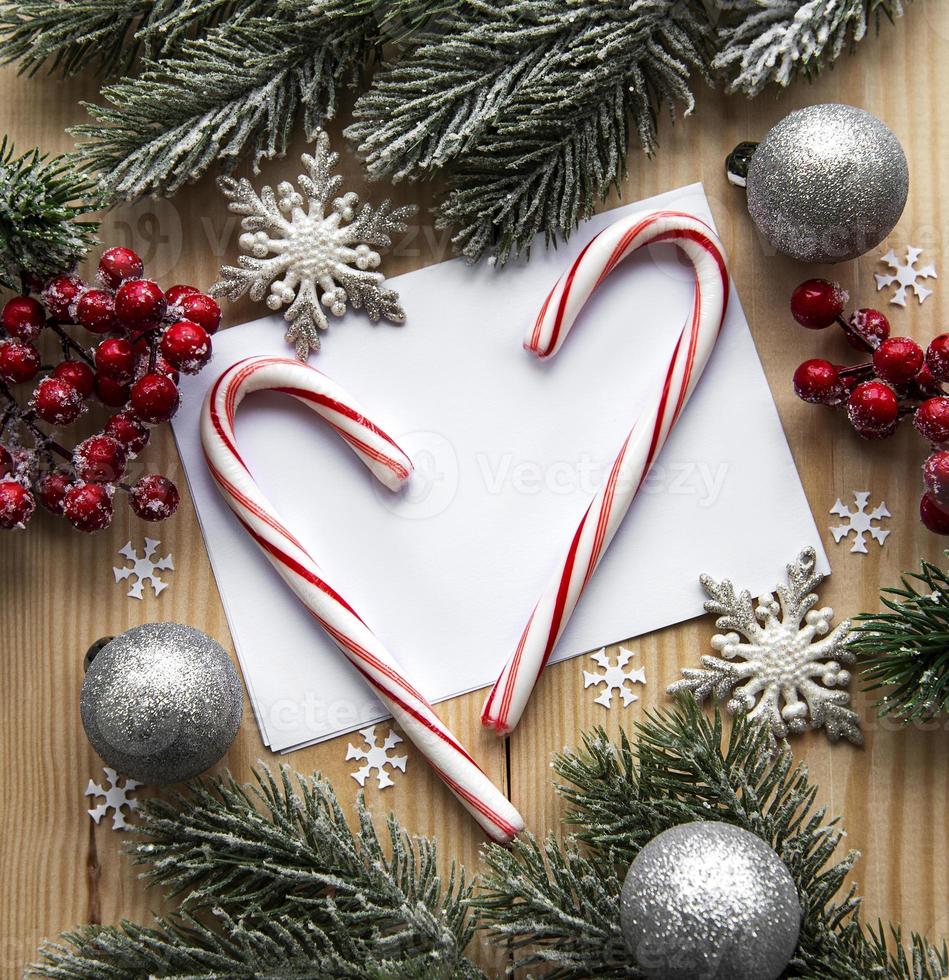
column 161, row 703
column 706, row 900
column 827, row 184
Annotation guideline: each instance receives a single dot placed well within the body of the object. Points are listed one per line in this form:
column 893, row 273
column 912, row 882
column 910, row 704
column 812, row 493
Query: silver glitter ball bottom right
column 708, row 900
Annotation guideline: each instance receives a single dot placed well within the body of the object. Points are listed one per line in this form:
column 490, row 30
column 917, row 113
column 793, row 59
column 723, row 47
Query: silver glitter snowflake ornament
column 310, row 257
column 787, row 671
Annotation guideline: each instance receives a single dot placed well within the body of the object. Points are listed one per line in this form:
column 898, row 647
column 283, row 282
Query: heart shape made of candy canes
column 509, row 696
column 389, row 464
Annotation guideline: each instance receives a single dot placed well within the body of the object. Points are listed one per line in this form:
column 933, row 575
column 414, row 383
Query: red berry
column 19, row 361
column 925, row 377
column 937, row 357
column 6, row 462
column 52, row 488
column 202, row 310
column 930, row 513
column 57, row 402
column 128, row 430
column 873, row 409
column 163, row 367
column 111, row 392
column 88, row 506
column 817, row 303
column 177, row 293
column 898, row 360
column 96, row 311
column 186, row 346
column 154, row 498
column 60, row 294
column 23, row 317
column 78, row 374
column 139, row 304
column 16, row 505
column 118, row 264
column 115, row 359
column 818, row 382
column 936, row 476
column 871, row 325
column 932, row 420
column 99, row 459
column 154, row 398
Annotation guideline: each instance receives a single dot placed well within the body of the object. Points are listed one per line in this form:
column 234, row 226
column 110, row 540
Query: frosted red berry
column 873, row 409
column 937, row 357
column 78, row 374
column 128, row 430
column 175, row 294
column 871, row 327
column 23, row 317
column 932, row 420
column 118, row 264
column 110, row 392
column 163, row 367
column 59, row 295
column 51, row 490
column 936, row 476
column 818, row 382
column 898, row 360
column 19, row 361
column 139, row 304
column 934, row 516
column 186, row 346
column 115, row 359
column 88, row 506
column 154, row 398
column 99, row 459
column 817, row 303
column 96, row 311
column 154, row 498
column 57, row 402
column 202, row 310
column 16, row 505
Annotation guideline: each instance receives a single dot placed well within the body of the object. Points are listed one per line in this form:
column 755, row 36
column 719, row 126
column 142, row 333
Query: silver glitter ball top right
column 827, row 183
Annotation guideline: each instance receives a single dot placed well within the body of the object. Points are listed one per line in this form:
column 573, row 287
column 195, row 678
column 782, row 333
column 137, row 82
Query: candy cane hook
column 602, row 254
column 362, row 648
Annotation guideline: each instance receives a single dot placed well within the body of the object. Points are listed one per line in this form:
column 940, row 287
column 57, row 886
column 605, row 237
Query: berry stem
column 68, row 343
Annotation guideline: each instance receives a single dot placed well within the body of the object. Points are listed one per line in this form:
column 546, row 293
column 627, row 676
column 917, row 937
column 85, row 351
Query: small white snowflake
column 905, row 276
column 860, row 522
column 144, row 568
column 307, row 258
column 614, row 677
column 775, row 675
column 115, row 796
column 376, row 757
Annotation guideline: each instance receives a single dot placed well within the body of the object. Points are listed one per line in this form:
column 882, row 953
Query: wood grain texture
column 57, row 593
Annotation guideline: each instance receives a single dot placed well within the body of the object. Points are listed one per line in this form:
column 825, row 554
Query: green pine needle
column 40, row 199
column 905, row 652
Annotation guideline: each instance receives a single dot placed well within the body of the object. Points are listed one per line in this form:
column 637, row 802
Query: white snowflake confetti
column 308, row 258
column 376, row 757
column 905, row 276
column 860, row 522
column 115, row 796
column 614, row 677
column 776, row 677
column 144, row 568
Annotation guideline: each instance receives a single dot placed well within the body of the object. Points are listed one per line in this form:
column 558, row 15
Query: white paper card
column 508, row 452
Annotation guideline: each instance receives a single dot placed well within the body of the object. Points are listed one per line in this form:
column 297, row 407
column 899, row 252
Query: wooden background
column 57, row 594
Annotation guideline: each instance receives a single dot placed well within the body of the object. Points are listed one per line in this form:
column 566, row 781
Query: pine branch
column 238, row 91
column 527, row 103
column 774, row 41
column 40, row 199
column 105, row 36
column 905, row 652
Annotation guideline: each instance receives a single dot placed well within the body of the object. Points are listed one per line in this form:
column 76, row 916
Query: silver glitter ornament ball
column 708, row 900
column 161, row 703
column 827, row 184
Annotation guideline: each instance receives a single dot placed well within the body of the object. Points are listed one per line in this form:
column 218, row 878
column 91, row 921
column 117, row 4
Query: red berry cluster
column 146, row 337
column 900, row 380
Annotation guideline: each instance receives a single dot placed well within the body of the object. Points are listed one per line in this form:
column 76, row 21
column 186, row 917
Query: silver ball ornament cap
column 827, row 183
column 161, row 703
column 709, row 900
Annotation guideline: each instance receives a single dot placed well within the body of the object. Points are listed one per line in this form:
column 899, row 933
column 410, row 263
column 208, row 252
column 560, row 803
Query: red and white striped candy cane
column 602, row 254
column 391, row 466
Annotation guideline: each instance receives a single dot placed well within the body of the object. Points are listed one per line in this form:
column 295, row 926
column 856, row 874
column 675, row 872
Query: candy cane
column 602, row 254
column 362, row 648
